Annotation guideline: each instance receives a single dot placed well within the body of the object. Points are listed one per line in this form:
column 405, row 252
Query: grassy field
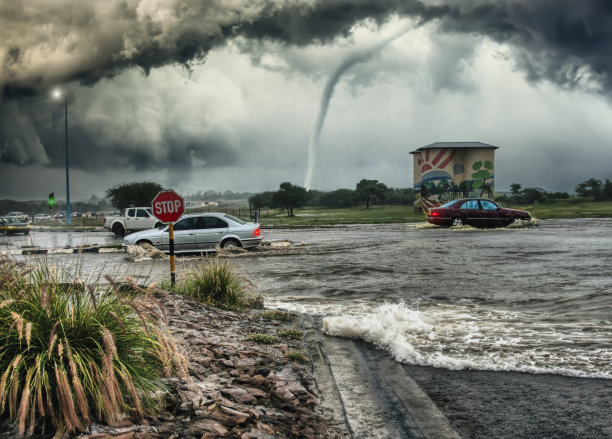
column 355, row 215
column 405, row 214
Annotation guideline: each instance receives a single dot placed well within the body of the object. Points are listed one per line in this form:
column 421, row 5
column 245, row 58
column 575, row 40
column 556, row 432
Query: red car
column 475, row 212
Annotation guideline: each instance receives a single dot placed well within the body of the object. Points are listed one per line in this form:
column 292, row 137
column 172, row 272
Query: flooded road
column 438, row 301
column 535, row 299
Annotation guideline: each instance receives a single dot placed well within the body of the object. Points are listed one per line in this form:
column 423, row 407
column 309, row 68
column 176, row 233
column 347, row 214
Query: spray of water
column 359, row 56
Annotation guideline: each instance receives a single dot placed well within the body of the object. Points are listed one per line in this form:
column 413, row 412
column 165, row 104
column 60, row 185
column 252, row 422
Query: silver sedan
column 201, row 232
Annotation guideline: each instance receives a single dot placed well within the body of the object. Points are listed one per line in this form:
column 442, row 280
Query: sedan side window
column 488, row 205
column 221, row 224
column 470, row 204
column 186, row 224
column 212, row 222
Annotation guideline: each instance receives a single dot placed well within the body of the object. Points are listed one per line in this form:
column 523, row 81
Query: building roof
column 454, row 145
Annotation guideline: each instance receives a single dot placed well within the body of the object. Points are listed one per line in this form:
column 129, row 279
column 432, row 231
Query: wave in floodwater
column 517, row 225
column 470, row 337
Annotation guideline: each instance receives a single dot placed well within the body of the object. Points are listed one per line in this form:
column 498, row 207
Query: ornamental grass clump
column 73, row 354
column 216, row 283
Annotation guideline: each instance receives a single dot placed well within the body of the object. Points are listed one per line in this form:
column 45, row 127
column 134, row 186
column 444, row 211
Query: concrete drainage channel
column 371, row 392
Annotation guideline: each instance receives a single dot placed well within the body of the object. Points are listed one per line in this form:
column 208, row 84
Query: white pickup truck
column 132, row 219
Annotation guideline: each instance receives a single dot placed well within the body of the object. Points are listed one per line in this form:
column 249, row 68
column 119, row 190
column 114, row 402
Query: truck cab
column 132, row 219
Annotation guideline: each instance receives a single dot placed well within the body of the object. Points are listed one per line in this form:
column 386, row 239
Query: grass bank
column 330, row 217
column 572, row 208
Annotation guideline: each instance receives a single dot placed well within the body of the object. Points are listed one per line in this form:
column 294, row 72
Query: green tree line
column 589, row 190
column 366, row 193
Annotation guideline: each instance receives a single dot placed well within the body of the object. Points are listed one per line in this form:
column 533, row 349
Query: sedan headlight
column 126, row 242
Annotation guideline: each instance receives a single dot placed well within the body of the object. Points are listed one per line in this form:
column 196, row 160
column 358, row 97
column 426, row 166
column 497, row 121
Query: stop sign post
column 168, row 206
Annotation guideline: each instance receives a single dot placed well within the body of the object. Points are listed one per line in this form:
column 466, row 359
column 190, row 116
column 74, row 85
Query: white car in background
column 200, row 232
column 18, row 215
column 42, row 217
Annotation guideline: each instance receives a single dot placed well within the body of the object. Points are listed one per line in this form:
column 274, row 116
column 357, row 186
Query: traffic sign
column 168, row 206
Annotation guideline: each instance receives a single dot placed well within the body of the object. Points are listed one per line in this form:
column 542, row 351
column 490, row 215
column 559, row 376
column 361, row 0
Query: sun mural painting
column 440, row 175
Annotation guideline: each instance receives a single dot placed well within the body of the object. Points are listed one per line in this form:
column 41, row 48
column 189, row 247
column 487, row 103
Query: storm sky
column 230, row 94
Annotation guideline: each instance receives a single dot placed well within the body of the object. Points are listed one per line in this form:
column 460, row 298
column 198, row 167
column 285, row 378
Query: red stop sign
column 168, row 206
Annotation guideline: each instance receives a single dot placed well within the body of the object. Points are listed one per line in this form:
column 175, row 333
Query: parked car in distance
column 18, row 215
column 42, row 217
column 200, row 232
column 9, row 226
column 477, row 212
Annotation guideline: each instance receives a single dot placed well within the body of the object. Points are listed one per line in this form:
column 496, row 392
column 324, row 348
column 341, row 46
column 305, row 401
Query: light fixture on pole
column 58, row 94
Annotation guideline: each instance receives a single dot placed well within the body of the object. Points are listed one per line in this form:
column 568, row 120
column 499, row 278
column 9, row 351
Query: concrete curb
column 60, row 251
column 352, row 383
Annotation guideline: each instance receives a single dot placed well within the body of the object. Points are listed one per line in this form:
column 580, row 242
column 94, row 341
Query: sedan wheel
column 457, row 222
column 230, row 243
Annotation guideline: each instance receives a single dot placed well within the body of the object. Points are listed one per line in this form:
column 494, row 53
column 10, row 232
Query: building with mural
column 444, row 171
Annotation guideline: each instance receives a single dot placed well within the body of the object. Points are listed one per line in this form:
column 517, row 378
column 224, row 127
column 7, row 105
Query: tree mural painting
column 480, row 177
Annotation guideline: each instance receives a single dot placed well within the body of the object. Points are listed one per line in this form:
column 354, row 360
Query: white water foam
column 455, row 338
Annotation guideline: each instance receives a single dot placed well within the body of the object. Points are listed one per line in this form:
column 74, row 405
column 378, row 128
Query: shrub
column 294, row 334
column 216, row 283
column 296, row 356
column 72, row 354
column 278, row 315
column 261, row 338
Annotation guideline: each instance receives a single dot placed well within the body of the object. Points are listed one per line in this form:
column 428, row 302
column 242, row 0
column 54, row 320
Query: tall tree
column 263, row 199
column 515, row 189
column 367, row 190
column 339, row 198
column 137, row 194
column 589, row 188
column 290, row 196
column 606, row 192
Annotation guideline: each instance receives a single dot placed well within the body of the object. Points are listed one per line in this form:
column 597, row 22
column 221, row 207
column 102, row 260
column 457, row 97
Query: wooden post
column 171, row 237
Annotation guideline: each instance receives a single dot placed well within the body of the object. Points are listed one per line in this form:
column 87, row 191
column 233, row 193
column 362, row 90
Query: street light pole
column 67, row 173
column 60, row 94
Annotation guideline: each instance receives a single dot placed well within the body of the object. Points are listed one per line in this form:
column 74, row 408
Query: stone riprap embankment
column 236, row 388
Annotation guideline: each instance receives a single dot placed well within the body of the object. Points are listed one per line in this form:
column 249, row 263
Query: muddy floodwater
column 534, row 299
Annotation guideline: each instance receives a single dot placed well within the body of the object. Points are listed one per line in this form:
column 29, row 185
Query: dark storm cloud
column 45, row 43
column 63, row 41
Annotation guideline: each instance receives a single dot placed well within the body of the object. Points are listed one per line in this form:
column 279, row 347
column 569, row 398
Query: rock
column 239, row 416
column 206, row 427
column 256, row 434
column 240, row 395
column 246, row 362
column 256, row 392
column 228, row 363
column 284, row 394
